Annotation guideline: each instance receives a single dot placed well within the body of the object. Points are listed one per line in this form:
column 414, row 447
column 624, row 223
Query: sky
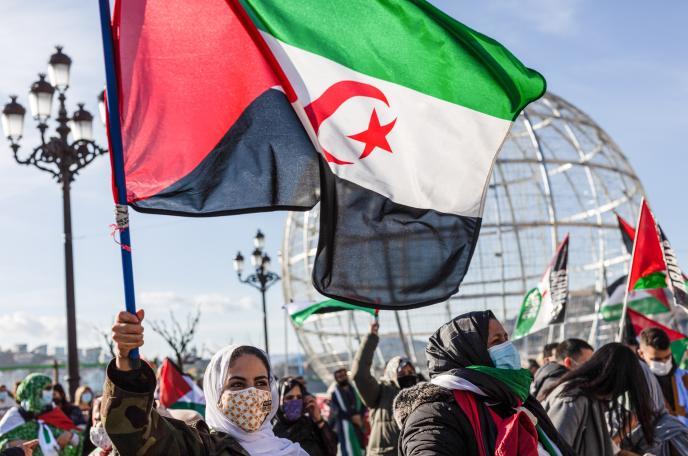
column 622, row 62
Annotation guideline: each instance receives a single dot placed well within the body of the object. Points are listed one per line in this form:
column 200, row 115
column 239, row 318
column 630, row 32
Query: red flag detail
column 627, row 232
column 172, row 383
column 647, row 249
column 58, row 419
column 625, row 227
column 640, row 322
column 184, row 82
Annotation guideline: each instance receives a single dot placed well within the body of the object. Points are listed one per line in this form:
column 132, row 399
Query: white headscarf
column 261, row 442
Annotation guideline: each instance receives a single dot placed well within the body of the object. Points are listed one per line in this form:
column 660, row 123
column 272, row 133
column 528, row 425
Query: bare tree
column 107, row 338
column 178, row 338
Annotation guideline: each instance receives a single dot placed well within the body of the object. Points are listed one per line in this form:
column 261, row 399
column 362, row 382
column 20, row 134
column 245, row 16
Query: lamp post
column 261, row 279
column 60, row 156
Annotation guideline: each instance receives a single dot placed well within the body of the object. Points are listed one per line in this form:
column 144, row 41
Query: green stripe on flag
column 654, row 280
column 200, row 408
column 646, row 306
column 330, row 305
column 410, row 43
column 678, row 350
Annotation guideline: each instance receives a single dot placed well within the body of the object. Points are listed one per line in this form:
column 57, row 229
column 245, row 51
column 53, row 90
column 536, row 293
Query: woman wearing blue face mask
column 298, row 419
column 477, row 400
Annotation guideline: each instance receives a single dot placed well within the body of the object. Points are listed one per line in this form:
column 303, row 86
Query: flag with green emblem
column 546, row 304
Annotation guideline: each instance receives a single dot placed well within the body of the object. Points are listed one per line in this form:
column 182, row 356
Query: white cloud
column 206, row 302
column 216, row 302
column 554, row 17
column 161, row 299
column 22, row 327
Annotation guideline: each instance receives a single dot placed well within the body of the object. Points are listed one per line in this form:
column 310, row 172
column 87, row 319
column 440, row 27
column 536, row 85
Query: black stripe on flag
column 265, row 162
column 377, row 253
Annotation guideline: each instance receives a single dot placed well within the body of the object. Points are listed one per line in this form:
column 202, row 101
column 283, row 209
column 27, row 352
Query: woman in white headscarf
column 241, row 400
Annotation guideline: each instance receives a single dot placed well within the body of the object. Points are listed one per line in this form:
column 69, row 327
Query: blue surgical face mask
column 505, row 356
column 46, row 397
column 3, row 395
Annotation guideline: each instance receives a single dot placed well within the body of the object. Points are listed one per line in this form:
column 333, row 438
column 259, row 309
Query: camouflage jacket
column 136, row 428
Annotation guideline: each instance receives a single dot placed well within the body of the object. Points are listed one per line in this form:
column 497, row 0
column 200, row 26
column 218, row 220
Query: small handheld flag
column 677, row 285
column 648, row 269
column 636, row 322
column 300, row 312
column 647, row 302
column 178, row 390
column 545, row 305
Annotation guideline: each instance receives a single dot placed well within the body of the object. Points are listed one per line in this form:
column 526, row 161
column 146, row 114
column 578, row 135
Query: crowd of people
column 621, row 399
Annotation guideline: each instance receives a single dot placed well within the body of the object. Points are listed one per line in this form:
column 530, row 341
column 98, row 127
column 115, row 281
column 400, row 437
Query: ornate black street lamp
column 262, row 279
column 62, row 156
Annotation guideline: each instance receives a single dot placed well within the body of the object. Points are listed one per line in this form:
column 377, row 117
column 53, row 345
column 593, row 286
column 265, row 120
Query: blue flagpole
column 116, row 153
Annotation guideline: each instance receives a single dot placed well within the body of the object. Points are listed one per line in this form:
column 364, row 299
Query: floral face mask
column 246, row 408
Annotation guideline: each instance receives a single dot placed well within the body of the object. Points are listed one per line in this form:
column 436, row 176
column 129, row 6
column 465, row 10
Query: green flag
column 300, row 312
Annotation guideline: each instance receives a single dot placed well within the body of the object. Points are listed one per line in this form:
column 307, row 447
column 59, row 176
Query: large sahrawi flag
column 406, row 107
column 546, row 305
column 409, row 109
column 206, row 127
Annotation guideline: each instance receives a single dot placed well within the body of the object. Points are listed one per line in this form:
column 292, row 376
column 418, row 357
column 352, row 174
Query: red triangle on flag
column 57, row 418
column 647, row 249
column 640, row 322
column 172, row 383
column 625, row 227
column 627, row 232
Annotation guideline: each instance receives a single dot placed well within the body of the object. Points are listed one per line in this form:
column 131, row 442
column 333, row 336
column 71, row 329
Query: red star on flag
column 374, row 136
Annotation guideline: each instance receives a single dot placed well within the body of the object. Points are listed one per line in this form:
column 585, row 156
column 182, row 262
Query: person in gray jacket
column 378, row 395
column 671, row 436
column 577, row 405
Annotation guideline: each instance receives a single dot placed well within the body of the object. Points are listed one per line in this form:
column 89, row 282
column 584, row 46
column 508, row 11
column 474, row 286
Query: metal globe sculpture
column 557, row 173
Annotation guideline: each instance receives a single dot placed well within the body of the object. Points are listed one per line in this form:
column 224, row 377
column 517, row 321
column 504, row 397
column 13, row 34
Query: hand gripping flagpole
column 117, row 159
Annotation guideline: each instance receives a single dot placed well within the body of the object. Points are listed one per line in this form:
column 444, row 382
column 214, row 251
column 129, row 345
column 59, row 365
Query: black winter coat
column 432, row 423
column 314, row 440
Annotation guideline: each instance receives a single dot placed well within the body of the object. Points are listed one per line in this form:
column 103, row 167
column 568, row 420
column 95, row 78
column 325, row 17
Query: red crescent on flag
column 331, row 99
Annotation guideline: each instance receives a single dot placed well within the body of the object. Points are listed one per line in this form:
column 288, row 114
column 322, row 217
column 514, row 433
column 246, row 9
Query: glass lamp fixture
column 102, row 109
column 58, row 69
column 239, row 263
column 82, row 124
column 259, row 240
column 41, row 98
column 257, row 258
column 13, row 120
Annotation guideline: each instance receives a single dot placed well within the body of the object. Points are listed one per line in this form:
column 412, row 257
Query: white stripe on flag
column 442, row 153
